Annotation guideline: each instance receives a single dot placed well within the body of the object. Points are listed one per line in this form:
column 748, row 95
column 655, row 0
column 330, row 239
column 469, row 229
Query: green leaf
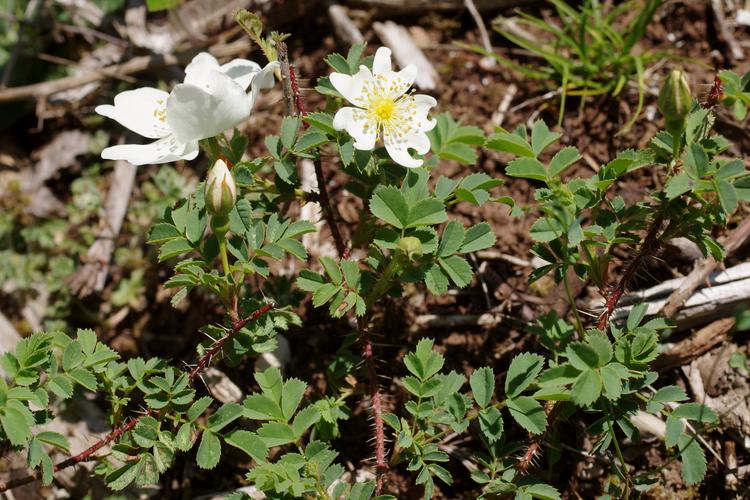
column 678, row 185
column 427, row 212
column 695, row 411
column 72, row 356
column 522, row 371
column 61, row 386
column 477, row 238
column 451, row 240
column 54, row 439
column 332, row 269
column 541, row 137
column 157, row 5
column 310, row 140
column 209, row 451
column 249, row 442
column 84, row 378
column 389, row 205
column 482, row 384
column 294, row 389
column 527, row 168
column 323, row 121
column 174, row 248
column 289, row 126
column 324, row 294
column 669, row 394
column 587, row 388
column 276, row 434
column 582, row 356
column 261, row 407
column 528, row 413
column 198, row 408
column 224, row 416
column 122, row 477
column 183, row 438
column 436, row 280
column 15, row 426
column 458, row 269
column 309, row 281
column 727, row 196
column 599, row 342
column 510, row 143
column 693, row 460
column 612, row 381
column 674, row 428
column 491, row 423
column 305, row 419
column 564, row 158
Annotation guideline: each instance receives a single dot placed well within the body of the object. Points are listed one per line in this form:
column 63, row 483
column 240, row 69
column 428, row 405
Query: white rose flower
column 212, row 99
column 384, row 110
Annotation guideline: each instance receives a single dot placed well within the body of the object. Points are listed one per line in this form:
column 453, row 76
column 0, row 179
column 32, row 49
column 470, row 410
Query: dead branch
column 93, row 274
column 695, row 345
column 703, row 269
column 134, row 65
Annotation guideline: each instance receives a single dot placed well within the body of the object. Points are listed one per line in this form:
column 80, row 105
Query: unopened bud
column 411, row 246
column 221, row 191
column 675, row 99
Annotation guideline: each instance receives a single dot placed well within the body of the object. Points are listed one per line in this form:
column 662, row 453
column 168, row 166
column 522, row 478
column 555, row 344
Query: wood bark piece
column 389, row 8
column 726, row 290
column 487, row 320
column 343, row 26
column 134, row 65
column 695, row 345
column 703, row 269
column 92, row 276
column 406, row 52
column 720, row 20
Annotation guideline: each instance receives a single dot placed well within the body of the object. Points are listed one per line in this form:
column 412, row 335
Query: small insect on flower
column 384, row 110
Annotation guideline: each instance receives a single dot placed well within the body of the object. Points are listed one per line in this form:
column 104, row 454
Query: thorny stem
column 648, row 249
column 87, row 454
column 294, row 102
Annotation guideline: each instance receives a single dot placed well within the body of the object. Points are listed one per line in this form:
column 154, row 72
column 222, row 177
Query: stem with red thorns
column 88, row 453
column 648, row 248
column 381, row 466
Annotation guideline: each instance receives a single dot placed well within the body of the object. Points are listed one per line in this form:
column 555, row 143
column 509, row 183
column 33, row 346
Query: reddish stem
column 381, row 466
column 122, row 429
column 323, row 198
column 648, row 248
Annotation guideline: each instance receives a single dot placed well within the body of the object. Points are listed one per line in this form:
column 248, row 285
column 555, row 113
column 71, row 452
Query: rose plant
column 388, row 142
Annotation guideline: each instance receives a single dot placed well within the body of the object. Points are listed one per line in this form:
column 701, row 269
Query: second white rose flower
column 384, row 110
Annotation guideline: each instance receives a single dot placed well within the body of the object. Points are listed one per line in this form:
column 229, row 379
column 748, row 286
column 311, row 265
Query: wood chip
column 406, row 52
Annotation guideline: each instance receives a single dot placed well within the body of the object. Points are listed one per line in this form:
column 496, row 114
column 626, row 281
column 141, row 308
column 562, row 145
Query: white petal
column 164, row 150
column 196, row 113
column 423, row 104
column 398, row 148
column 241, row 71
column 262, row 80
column 355, row 122
column 197, row 72
column 141, row 110
column 351, row 87
column 382, row 62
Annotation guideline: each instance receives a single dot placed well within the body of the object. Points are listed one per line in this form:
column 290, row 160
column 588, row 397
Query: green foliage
column 590, row 53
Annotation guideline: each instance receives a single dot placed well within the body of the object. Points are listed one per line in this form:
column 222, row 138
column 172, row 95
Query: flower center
column 383, row 108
